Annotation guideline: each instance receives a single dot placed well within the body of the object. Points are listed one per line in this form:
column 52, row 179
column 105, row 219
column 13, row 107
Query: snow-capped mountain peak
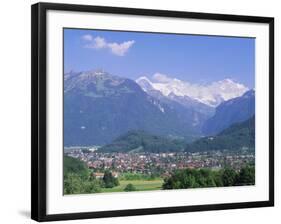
column 145, row 83
column 211, row 94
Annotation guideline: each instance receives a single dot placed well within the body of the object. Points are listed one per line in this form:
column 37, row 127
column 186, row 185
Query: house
column 98, row 175
column 115, row 174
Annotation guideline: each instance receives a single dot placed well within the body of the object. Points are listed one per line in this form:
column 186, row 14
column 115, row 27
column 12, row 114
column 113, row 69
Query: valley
column 149, row 171
column 123, row 135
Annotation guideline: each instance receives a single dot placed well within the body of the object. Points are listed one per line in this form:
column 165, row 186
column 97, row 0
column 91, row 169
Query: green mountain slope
column 238, row 136
column 141, row 141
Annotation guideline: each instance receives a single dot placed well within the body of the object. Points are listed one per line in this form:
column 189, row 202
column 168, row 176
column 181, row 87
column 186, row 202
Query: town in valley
column 160, row 163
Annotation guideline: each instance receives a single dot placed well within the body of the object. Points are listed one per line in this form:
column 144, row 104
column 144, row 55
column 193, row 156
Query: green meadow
column 140, row 185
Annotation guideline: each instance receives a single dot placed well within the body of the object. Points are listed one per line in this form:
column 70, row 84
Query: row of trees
column 198, row 178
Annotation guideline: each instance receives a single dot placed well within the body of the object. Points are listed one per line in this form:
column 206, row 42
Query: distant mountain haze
column 229, row 112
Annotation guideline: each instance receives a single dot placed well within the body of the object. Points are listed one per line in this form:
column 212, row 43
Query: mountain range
column 236, row 137
column 211, row 95
column 100, row 107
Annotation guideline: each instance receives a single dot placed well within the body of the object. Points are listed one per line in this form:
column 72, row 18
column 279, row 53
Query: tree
column 195, row 178
column 74, row 184
column 246, row 176
column 229, row 177
column 130, row 187
column 191, row 178
column 73, row 165
column 77, row 179
column 109, row 180
column 91, row 186
column 217, row 177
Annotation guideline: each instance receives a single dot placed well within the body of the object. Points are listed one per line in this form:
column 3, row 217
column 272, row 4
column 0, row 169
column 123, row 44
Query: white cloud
column 119, row 49
column 87, row 37
column 98, row 43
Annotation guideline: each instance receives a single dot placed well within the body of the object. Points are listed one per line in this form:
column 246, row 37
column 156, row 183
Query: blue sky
column 192, row 58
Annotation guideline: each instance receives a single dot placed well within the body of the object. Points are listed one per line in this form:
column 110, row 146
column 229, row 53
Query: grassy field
column 140, row 185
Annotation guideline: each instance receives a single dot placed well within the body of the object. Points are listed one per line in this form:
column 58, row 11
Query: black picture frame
column 39, row 121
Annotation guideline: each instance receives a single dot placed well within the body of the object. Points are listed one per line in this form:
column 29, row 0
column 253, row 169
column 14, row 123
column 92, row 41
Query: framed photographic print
column 139, row 111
